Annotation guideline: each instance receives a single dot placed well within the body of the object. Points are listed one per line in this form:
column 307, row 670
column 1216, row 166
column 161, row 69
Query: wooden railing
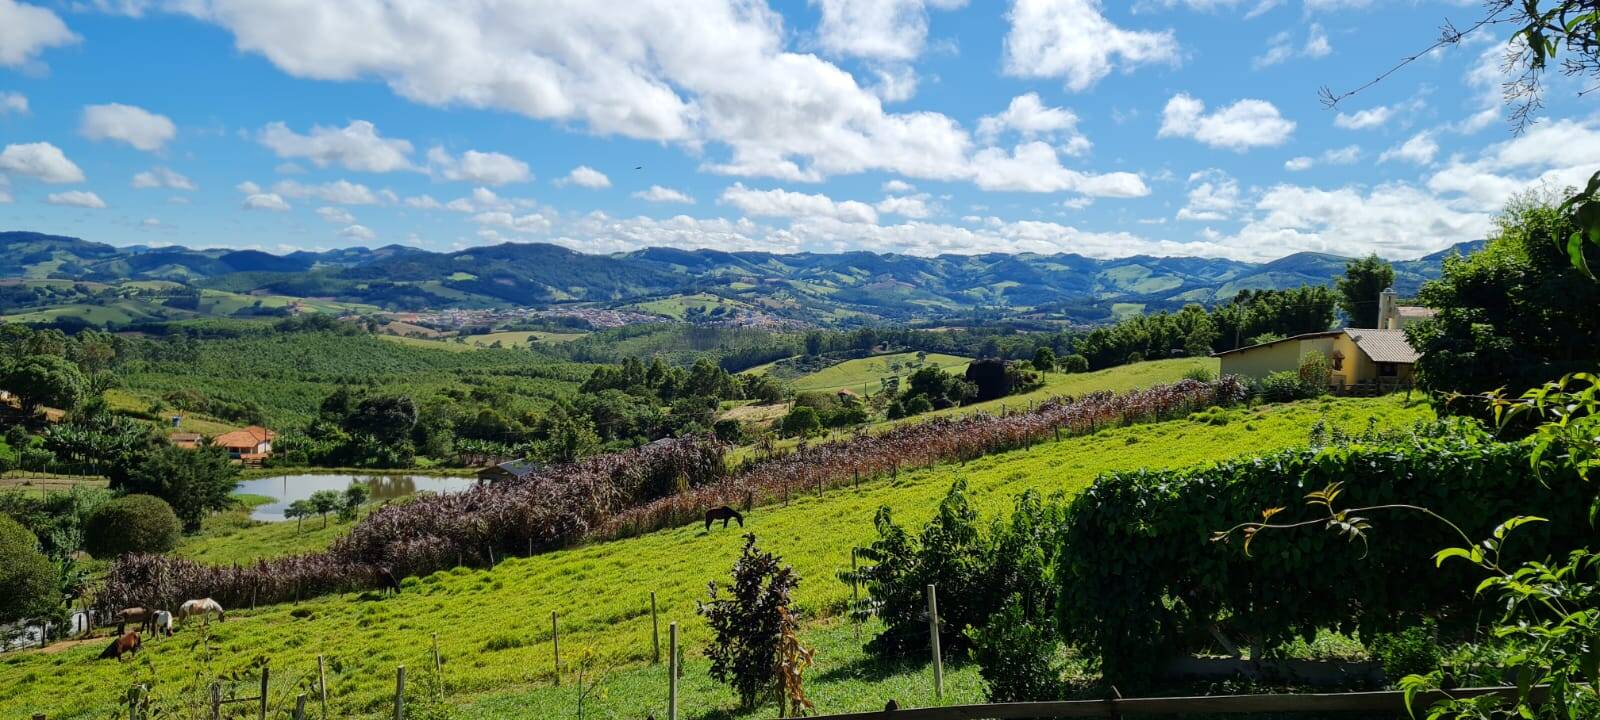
column 1380, row 702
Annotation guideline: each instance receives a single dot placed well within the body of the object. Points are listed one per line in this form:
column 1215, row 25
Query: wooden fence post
column 933, row 634
column 672, row 671
column 438, row 665
column 855, row 597
column 400, row 693
column 655, row 632
column 266, row 673
column 216, row 700
column 322, row 686
column 555, row 645
column 300, row 707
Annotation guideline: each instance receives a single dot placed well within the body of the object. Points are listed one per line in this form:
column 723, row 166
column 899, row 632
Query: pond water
column 285, row 489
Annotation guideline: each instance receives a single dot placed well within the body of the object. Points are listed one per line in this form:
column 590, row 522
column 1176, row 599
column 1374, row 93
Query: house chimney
column 1387, row 315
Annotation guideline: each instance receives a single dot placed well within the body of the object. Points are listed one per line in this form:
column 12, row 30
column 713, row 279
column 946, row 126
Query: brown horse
column 128, row 644
column 724, row 514
column 140, row 617
column 387, row 581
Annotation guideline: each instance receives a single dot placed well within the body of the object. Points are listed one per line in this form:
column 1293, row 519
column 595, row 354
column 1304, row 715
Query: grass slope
column 866, row 372
column 493, row 624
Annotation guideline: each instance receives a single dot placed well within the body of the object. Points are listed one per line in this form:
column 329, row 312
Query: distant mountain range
column 812, row 287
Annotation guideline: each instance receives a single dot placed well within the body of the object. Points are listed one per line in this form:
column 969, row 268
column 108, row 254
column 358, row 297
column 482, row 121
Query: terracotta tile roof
column 1384, row 345
column 246, row 438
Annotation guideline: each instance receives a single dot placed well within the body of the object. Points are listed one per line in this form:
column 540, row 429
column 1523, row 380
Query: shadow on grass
column 871, row 668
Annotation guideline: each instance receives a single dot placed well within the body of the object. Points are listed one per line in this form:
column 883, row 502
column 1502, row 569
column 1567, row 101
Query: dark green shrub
column 1201, row 374
column 1018, row 657
column 1283, row 386
column 1412, row 651
column 1074, row 364
column 749, row 622
column 132, row 524
column 27, row 577
column 1140, row 577
column 802, row 421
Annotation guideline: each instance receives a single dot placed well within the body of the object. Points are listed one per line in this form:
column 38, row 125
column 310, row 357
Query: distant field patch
column 868, row 372
column 519, row 338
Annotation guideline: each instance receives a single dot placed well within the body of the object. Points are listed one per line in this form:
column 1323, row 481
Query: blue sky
column 1169, row 127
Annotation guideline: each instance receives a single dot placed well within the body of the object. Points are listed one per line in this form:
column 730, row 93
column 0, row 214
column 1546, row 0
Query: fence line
column 1382, row 701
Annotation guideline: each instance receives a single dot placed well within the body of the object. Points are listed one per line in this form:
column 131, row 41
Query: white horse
column 202, row 608
column 162, row 624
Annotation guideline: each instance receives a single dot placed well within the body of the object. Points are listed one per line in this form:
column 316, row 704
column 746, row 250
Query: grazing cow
column 202, row 608
column 387, row 581
column 128, row 643
column 724, row 514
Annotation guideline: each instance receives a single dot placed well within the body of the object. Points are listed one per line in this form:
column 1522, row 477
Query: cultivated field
column 493, row 624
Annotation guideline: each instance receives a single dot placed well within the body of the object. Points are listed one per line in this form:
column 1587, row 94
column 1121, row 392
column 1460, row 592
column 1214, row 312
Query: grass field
column 678, row 306
column 865, row 373
column 1116, row 379
column 493, row 623
column 519, row 338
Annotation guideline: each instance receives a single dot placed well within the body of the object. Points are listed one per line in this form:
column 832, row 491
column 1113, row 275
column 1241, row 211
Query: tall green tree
column 193, row 482
column 1359, row 287
column 46, row 380
column 1514, row 315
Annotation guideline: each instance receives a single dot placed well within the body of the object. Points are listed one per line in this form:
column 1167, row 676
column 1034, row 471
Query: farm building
column 509, row 470
column 1359, row 359
column 185, row 440
column 249, row 445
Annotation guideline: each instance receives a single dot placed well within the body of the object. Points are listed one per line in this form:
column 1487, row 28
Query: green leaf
column 1447, row 553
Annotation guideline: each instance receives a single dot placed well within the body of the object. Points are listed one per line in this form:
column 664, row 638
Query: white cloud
column 358, row 232
column 423, row 202
column 1299, row 164
column 13, row 102
column 336, row 215
column 895, row 83
column 357, row 146
column 76, row 198
column 483, row 168
column 26, row 30
column 340, row 192
column 160, row 177
column 1394, row 220
column 1213, row 195
column 40, row 160
column 911, row 206
column 1281, row 47
column 877, row 29
column 1030, row 118
column 531, row 223
column 1420, row 149
column 898, row 186
column 1073, row 40
column 1363, row 119
column 785, row 203
column 1338, row 156
column 135, row 126
column 1034, row 167
column 585, row 176
column 1239, row 127
column 266, row 201
column 659, row 194
column 1551, row 154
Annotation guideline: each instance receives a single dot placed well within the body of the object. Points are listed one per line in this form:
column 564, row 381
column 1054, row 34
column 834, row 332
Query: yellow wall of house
column 1355, row 367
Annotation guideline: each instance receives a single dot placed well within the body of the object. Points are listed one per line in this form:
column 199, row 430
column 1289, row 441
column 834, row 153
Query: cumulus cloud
column 911, row 206
column 1030, row 118
column 898, row 186
column 1420, row 149
column 161, row 177
column 135, row 126
column 1281, row 47
column 336, row 215
column 530, row 223
column 1034, row 167
column 877, row 29
column 785, row 203
column 423, row 202
column 266, row 201
column 13, row 102
column 340, row 192
column 1213, row 195
column 483, row 168
column 1243, row 125
column 76, row 198
column 358, row 232
column 1337, row 156
column 40, row 160
column 357, row 146
column 659, row 194
column 585, row 176
column 1072, row 40
column 27, row 30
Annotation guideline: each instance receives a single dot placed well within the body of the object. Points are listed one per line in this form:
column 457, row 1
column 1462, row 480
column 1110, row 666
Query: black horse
column 387, row 581
column 724, row 514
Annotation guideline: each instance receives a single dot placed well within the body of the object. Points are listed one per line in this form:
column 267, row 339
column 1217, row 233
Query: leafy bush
column 1412, row 651
column 1314, row 371
column 1283, row 386
column 1139, row 578
column 1199, row 374
column 1017, row 656
column 802, row 421
column 26, row 574
column 1074, row 364
column 749, row 623
column 193, row 482
column 132, row 524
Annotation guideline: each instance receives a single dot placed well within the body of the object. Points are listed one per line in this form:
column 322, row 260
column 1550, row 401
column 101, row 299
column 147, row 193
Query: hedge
column 1141, row 578
column 27, row 578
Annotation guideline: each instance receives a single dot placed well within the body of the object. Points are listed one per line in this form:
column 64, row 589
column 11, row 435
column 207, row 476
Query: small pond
column 285, row 489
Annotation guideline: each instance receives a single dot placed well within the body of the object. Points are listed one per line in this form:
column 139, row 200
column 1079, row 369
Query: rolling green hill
column 492, row 623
